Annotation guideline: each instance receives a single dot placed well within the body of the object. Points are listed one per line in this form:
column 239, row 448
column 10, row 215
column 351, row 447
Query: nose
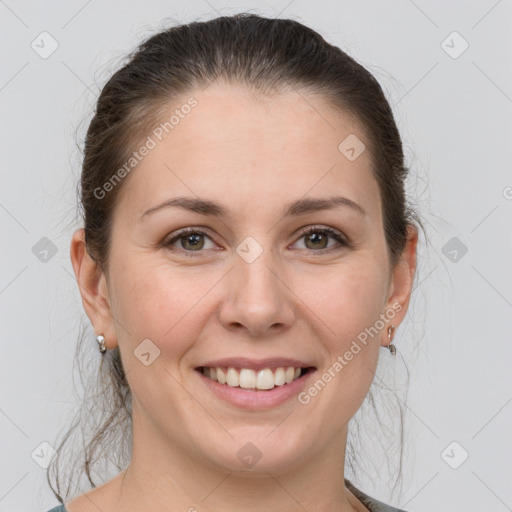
column 258, row 300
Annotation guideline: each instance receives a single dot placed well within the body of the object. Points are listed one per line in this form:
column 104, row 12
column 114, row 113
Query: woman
column 246, row 251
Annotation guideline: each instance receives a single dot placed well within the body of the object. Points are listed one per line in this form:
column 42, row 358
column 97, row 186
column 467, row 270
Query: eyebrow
column 211, row 208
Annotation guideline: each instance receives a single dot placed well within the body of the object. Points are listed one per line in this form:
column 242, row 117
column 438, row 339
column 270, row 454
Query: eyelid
column 320, row 227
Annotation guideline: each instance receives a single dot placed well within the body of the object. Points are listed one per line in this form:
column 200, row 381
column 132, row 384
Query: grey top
column 371, row 504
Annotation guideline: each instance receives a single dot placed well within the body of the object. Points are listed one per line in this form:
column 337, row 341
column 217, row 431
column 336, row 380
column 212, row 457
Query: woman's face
column 249, row 288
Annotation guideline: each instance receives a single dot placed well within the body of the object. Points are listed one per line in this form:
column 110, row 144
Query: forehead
column 248, row 149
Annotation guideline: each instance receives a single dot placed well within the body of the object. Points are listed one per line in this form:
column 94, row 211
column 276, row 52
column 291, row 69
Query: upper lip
column 255, row 364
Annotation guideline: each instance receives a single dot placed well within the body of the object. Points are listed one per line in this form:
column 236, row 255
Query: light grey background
column 455, row 118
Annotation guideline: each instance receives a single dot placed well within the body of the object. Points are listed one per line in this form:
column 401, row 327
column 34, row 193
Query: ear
column 401, row 282
column 93, row 289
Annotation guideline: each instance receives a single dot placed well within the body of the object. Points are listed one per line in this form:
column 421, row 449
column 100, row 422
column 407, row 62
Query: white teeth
column 221, row 376
column 232, row 378
column 279, row 377
column 265, row 379
column 249, row 379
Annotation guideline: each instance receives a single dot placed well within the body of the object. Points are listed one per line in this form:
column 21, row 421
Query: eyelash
column 343, row 242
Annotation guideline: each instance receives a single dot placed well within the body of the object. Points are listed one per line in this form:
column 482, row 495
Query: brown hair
column 266, row 55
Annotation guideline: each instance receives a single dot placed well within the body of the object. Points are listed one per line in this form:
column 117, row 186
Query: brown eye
column 192, row 242
column 317, row 239
column 189, row 241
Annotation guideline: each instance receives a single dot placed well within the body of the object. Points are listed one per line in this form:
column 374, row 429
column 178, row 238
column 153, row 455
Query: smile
column 247, row 378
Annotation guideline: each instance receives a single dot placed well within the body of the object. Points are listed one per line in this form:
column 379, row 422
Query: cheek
column 162, row 305
column 346, row 300
column 159, row 303
column 347, row 305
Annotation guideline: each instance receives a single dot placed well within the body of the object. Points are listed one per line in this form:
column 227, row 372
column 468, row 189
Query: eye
column 193, row 240
column 190, row 240
column 316, row 238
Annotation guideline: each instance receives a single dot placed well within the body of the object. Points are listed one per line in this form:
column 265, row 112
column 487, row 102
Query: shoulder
column 370, row 503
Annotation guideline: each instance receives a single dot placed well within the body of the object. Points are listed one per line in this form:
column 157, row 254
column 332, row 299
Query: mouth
column 248, row 379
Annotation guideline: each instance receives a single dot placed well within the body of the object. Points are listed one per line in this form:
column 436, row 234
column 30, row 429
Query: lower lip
column 256, row 399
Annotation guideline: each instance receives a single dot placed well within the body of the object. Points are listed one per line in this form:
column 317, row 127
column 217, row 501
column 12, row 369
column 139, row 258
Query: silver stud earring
column 391, row 347
column 101, row 342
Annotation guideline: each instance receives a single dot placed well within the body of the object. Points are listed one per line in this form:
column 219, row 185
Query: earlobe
column 92, row 286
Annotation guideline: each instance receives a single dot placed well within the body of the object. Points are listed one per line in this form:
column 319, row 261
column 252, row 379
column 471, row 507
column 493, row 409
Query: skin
column 292, row 301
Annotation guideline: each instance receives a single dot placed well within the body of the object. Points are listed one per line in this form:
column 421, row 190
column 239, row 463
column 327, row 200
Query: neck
column 176, row 478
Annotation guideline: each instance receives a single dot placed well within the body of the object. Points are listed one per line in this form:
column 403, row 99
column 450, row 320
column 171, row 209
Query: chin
column 258, row 452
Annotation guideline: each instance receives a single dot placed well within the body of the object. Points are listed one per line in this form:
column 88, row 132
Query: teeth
column 221, row 376
column 279, row 377
column 249, row 379
column 233, row 378
column 265, row 379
